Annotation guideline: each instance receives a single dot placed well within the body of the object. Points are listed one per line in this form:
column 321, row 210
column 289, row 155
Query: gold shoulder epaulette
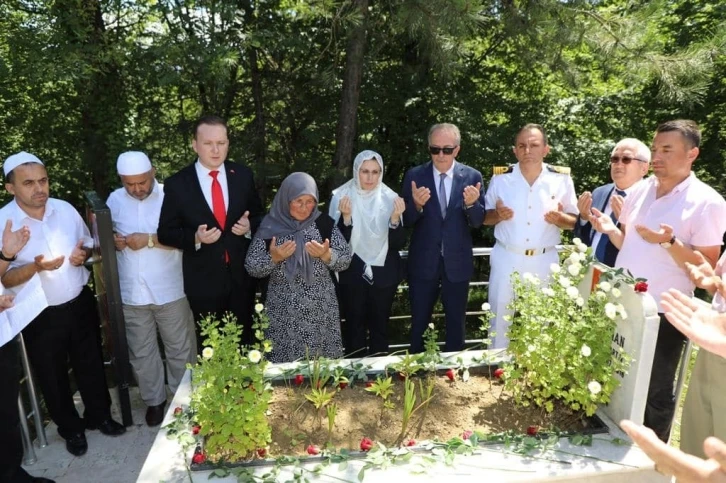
column 502, row 170
column 559, row 169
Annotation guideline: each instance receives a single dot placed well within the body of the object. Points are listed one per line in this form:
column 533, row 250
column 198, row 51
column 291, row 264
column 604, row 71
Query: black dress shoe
column 40, row 479
column 76, row 444
column 155, row 414
column 108, row 427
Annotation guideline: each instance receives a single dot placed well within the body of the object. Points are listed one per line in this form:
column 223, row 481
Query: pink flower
column 178, row 410
column 410, row 442
column 499, row 373
column 313, row 449
column 467, row 434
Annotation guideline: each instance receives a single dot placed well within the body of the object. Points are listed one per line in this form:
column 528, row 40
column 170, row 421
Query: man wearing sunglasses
column 529, row 202
column 628, row 164
column 444, row 200
column 664, row 223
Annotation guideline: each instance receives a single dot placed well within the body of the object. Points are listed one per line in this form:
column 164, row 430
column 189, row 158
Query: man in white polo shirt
column 69, row 328
column 152, row 286
column 666, row 219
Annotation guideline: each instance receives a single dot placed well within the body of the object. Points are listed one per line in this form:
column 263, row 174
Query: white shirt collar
column 449, row 173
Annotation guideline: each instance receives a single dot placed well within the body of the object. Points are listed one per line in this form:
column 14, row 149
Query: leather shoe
column 155, row 414
column 108, row 427
column 76, row 444
column 40, row 479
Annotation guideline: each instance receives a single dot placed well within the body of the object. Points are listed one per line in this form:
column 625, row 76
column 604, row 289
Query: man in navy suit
column 210, row 210
column 444, row 200
column 629, row 162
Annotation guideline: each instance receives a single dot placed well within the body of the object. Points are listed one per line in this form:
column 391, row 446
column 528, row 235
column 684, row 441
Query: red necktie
column 220, row 212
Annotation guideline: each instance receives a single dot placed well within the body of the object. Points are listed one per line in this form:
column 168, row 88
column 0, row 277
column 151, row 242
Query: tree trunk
column 345, row 135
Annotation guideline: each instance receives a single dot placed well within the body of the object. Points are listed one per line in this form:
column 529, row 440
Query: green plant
column 432, row 352
column 560, row 341
column 382, row 388
column 320, row 397
column 409, row 403
column 230, row 394
column 331, row 411
column 409, row 364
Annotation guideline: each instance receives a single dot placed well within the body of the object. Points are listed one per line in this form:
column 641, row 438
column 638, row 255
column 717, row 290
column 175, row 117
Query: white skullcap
column 132, row 163
column 17, row 159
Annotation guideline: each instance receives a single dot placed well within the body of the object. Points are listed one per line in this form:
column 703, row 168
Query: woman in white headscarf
column 368, row 214
column 298, row 247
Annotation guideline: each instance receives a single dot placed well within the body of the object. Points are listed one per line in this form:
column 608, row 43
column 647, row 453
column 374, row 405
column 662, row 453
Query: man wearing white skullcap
column 68, row 329
column 152, row 286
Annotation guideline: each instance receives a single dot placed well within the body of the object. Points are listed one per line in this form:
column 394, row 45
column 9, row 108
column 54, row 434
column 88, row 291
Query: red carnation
column 410, row 442
column 451, row 374
column 641, row 287
column 369, row 383
column 532, row 430
column 499, row 373
column 199, row 458
column 177, row 411
column 196, row 428
column 262, row 452
column 342, row 384
column 313, row 449
column 299, row 379
column 366, row 444
column 467, row 434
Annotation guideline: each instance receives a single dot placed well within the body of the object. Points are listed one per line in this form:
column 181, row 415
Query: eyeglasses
column 303, row 203
column 624, row 159
column 437, row 150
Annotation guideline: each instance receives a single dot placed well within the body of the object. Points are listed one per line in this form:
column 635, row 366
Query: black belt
column 65, row 305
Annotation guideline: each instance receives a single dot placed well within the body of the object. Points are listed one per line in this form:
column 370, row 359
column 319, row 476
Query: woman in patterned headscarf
column 290, row 249
column 368, row 213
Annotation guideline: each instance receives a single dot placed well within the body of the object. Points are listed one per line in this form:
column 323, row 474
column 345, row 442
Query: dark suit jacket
column 600, row 199
column 185, row 208
column 391, row 273
column 430, row 230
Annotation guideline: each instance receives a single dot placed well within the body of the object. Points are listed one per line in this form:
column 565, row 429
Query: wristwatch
column 151, row 241
column 669, row 243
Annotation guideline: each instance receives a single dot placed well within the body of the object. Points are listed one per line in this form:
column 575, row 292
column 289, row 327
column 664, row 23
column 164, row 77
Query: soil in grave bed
column 455, row 407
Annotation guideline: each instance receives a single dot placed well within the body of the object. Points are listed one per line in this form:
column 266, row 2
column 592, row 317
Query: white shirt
column 697, row 214
column 608, row 211
column 448, row 181
column 528, row 228
column 148, row 275
column 205, row 181
column 56, row 234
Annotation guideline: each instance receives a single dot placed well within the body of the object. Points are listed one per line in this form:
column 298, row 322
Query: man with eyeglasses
column 529, row 203
column 667, row 220
column 629, row 163
column 444, row 201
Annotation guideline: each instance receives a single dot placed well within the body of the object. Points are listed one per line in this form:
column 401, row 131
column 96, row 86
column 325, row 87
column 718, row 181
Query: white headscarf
column 371, row 213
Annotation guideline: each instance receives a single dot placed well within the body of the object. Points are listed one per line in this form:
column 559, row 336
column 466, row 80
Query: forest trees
column 306, row 84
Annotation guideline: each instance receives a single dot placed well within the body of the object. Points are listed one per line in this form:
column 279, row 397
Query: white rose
column 555, row 268
column 581, row 247
column 580, row 301
column 610, row 311
column 577, row 241
column 431, row 325
column 208, row 352
column 574, row 257
column 530, row 348
column 486, row 307
column 604, row 286
column 572, row 292
column 254, row 356
column 465, row 375
column 259, row 308
column 585, row 350
column 564, row 281
column 616, row 292
column 574, row 269
column 594, row 387
column 548, row 292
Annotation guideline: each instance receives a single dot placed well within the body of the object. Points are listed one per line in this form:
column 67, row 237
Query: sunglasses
column 624, row 159
column 437, row 150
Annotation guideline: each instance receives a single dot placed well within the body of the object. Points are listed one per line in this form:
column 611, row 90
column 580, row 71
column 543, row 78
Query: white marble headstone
column 637, row 335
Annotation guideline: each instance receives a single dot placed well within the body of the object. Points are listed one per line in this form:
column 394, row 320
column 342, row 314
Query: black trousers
column 365, row 308
column 11, row 455
column 661, row 404
column 238, row 299
column 65, row 333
